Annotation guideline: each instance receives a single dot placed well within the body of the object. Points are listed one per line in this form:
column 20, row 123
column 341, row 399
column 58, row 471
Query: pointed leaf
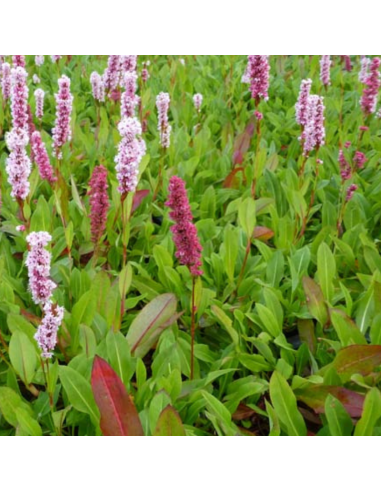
column 285, row 405
column 79, row 392
column 149, row 324
column 169, row 424
column 119, row 416
column 315, row 301
column 371, row 415
column 23, row 356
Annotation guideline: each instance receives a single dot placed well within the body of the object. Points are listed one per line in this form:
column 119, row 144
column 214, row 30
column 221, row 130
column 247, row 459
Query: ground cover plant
column 190, row 245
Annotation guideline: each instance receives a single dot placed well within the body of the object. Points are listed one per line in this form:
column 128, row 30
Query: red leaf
column 119, row 416
column 316, row 396
column 138, row 198
column 243, row 142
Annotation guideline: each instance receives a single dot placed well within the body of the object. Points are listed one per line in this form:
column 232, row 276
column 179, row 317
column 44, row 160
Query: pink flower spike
column 18, row 163
column 351, row 191
column 99, row 203
column 41, row 158
column 39, row 60
column 19, row 98
column 184, row 231
column 197, row 101
column 111, row 77
column 98, row 86
column 55, row 58
column 38, row 263
column 62, row 130
column 345, row 168
column 372, row 86
column 145, row 72
column 303, row 101
column 364, row 72
column 360, row 160
column 162, row 103
column 46, row 335
column 6, row 81
column 129, row 63
column 259, row 73
column 131, row 150
column 39, row 96
column 129, row 99
column 325, row 70
column 18, row 61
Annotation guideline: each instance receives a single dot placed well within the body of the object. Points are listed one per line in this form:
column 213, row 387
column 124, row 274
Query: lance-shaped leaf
column 169, row 424
column 346, row 329
column 119, row 416
column 23, row 356
column 150, row 323
column 315, row 301
column 357, row 359
column 340, row 423
column 326, row 270
column 285, row 405
column 371, row 415
column 316, row 396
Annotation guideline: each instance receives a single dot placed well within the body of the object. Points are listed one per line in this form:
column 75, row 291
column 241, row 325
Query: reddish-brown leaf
column 316, row 396
column 230, row 181
column 263, row 234
column 119, row 416
column 243, row 142
column 357, row 359
column 138, row 198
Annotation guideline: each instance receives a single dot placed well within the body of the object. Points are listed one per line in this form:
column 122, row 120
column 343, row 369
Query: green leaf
column 340, row 423
column 326, row 271
column 285, row 405
column 28, row 425
column 226, row 322
column 346, row 329
column 79, row 392
column 357, row 359
column 371, row 414
column 150, row 323
column 315, row 301
column 169, row 424
column 10, row 402
column 23, row 356
column 247, row 216
column 119, row 356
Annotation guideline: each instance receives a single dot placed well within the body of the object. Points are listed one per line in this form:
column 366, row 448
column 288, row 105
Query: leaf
column 247, row 216
column 119, row 356
column 125, row 280
column 220, row 412
column 243, row 142
column 269, row 321
column 371, row 414
column 263, row 234
column 23, row 356
column 346, row 329
column 79, row 392
column 138, row 199
column 315, row 301
column 29, row 425
column 315, row 397
column 357, row 359
column 150, row 323
column 307, row 335
column 10, row 402
column 169, row 424
column 227, row 323
column 340, row 423
column 119, row 416
column 285, row 405
column 326, row 271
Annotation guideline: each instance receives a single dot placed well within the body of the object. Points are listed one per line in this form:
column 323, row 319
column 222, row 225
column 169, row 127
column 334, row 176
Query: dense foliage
column 287, row 312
